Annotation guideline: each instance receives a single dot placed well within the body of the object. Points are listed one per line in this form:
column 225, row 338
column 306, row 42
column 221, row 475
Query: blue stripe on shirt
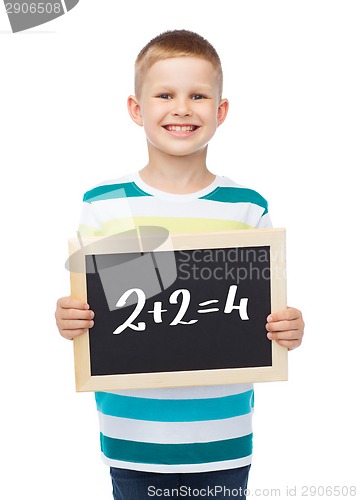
column 175, row 410
column 172, row 454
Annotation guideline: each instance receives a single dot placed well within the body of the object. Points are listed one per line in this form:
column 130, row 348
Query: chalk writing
column 174, row 298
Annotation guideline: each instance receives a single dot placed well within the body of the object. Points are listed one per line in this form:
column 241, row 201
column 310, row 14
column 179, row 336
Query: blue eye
column 165, row 96
column 196, row 97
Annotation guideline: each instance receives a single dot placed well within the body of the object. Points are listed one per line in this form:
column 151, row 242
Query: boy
column 161, row 442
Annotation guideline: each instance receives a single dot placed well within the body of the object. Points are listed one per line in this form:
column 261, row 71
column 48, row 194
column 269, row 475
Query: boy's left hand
column 286, row 327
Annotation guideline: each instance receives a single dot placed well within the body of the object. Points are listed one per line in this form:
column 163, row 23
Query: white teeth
column 179, row 128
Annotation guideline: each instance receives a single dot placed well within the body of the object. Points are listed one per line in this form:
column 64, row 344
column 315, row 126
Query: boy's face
column 179, row 105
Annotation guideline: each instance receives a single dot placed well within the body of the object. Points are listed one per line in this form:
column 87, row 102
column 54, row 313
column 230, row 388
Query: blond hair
column 176, row 43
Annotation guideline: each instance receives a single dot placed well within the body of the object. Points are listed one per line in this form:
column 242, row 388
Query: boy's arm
column 73, row 317
column 286, row 327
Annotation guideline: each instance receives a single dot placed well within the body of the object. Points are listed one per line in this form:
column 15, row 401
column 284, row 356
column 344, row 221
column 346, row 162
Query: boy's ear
column 134, row 110
column 222, row 110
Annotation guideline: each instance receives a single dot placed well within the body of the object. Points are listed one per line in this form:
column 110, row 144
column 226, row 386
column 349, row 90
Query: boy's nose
column 181, row 108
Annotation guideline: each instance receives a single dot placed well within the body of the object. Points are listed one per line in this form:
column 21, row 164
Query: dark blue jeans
column 133, row 485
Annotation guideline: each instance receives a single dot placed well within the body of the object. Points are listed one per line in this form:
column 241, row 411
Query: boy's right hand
column 73, row 317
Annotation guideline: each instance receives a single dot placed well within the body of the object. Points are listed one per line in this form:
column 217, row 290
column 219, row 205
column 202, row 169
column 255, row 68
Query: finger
column 285, row 335
column 288, row 314
column 67, row 314
column 71, row 303
column 71, row 334
column 290, row 344
column 75, row 324
column 282, row 326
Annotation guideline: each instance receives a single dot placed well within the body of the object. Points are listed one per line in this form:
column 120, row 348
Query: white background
column 290, row 70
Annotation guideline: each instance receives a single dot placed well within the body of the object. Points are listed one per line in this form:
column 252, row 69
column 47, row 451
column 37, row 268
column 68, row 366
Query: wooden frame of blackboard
column 277, row 371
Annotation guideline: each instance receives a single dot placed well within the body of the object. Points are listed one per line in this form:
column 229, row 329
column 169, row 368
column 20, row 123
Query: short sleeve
column 89, row 224
column 264, row 222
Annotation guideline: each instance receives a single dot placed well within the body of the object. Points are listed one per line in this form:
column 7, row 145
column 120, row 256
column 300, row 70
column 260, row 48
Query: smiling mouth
column 181, row 128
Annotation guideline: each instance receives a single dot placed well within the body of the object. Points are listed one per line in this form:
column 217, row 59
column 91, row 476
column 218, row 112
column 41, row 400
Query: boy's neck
column 177, row 174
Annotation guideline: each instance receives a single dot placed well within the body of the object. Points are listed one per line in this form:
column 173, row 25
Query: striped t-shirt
column 185, row 429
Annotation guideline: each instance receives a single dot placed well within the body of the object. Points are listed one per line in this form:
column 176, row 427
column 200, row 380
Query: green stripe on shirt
column 111, row 191
column 175, row 410
column 172, row 454
column 222, row 194
column 236, row 195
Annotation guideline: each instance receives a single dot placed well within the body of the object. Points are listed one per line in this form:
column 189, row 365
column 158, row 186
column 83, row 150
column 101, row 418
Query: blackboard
column 174, row 310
